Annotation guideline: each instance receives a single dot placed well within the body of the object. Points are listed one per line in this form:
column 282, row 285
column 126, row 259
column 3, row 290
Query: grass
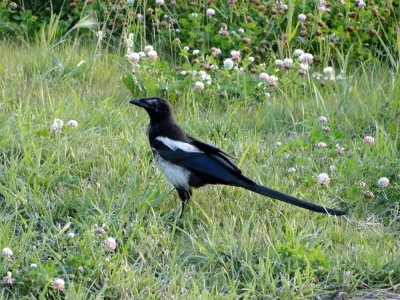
column 230, row 243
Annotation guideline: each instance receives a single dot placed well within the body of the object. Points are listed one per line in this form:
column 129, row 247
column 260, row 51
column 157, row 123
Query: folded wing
column 215, row 166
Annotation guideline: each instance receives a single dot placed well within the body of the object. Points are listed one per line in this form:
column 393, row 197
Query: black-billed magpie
column 189, row 163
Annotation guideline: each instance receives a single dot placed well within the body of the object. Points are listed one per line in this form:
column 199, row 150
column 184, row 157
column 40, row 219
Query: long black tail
column 290, row 199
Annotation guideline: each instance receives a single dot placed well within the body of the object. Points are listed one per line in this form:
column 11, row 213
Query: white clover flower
column 302, row 17
column 284, row 7
column 334, row 38
column 142, row 54
column 235, row 55
column 205, row 77
column 99, row 230
column 110, row 243
column 159, row 2
column 228, row 64
column 322, row 119
column 59, row 122
column 186, row 48
column 81, row 269
column 272, row 81
column 140, row 17
column 152, row 54
column 71, row 234
column 298, row 52
column 7, row 252
column 328, row 70
column 287, row 63
column 177, row 30
column 383, row 182
column 33, row 265
column 250, row 59
column 222, row 31
column 303, row 69
column 361, row 184
column 321, row 145
column 369, row 140
column 58, row 284
column 148, row 48
column 72, row 123
column 8, row 280
column 263, row 77
column 183, row 73
column 302, row 72
column 278, row 144
column 279, row 62
column 56, row 126
column 360, row 4
column 306, row 58
column 133, row 57
column 339, row 150
column 241, row 30
column 194, row 15
column 326, row 128
column 199, row 86
column 215, row 51
column 196, row 52
column 291, row 170
column 55, row 129
column 369, row 195
column 332, row 169
column 322, row 6
column 323, row 179
column 210, row 12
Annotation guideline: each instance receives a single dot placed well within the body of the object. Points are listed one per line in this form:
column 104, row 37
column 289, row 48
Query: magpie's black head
column 157, row 108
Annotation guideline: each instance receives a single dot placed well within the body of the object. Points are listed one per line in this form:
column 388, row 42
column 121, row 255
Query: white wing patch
column 173, row 145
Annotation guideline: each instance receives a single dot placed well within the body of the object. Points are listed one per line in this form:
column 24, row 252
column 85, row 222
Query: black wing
column 213, row 168
column 211, row 149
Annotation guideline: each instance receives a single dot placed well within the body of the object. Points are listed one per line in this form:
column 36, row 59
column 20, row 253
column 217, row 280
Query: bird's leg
column 184, row 195
column 182, row 209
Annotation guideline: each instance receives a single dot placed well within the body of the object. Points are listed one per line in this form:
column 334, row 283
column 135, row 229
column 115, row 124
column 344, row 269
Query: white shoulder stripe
column 173, row 145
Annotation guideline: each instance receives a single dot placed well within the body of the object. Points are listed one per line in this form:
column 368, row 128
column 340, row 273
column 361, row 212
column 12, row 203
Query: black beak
column 139, row 102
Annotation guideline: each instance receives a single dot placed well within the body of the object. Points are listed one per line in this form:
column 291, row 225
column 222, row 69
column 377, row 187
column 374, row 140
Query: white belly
column 176, row 175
